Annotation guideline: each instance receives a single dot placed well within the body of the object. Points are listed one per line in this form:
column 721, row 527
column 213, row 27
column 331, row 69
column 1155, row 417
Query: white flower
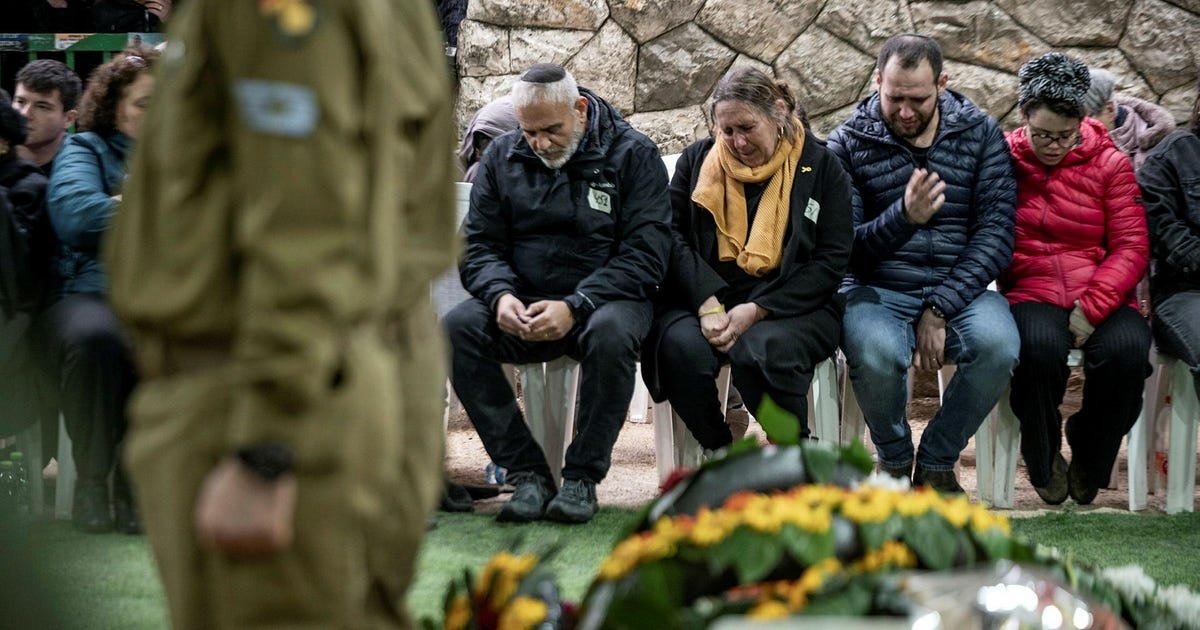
column 1131, row 582
column 1183, row 604
column 885, row 481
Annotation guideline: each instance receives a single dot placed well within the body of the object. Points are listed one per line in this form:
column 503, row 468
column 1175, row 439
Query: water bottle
column 20, row 483
column 8, row 490
column 495, row 475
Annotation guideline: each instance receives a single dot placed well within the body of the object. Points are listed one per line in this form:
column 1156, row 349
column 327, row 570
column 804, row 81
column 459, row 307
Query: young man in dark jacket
column 933, row 226
column 567, row 239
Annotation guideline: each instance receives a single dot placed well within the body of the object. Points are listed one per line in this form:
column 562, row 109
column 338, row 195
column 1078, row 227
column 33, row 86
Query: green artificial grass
column 109, row 581
column 1165, row 546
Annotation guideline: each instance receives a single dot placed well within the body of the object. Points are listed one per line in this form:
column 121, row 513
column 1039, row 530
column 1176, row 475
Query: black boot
column 455, row 498
column 91, row 510
column 124, row 506
column 944, row 481
column 1055, row 490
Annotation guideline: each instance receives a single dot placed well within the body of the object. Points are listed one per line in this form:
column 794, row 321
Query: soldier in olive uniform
column 289, row 202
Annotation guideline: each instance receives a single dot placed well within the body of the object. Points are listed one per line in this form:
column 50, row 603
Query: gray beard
column 567, row 154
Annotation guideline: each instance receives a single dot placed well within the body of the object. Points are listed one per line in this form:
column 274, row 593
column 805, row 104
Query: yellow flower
column 982, row 520
column 762, row 518
column 770, row 609
column 458, row 614
column 868, row 505
column 709, row 529
column 522, row 614
column 916, row 503
column 957, row 511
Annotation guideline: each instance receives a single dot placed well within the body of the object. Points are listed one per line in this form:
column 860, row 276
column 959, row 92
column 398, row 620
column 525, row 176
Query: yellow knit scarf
column 720, row 191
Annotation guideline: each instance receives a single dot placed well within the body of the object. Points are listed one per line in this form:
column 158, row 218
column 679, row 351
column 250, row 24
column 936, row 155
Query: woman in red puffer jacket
column 1081, row 248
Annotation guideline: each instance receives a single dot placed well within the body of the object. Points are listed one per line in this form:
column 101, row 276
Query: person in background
column 1080, row 250
column 933, row 227
column 491, row 121
column 47, row 93
column 1135, row 125
column 762, row 231
column 567, row 239
column 288, row 205
column 1170, row 182
column 96, row 373
column 130, row 16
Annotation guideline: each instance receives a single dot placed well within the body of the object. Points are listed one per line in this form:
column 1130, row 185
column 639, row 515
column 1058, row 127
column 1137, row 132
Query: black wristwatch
column 937, row 312
column 268, row 460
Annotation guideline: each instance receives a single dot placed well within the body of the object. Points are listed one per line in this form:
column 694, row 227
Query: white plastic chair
column 998, row 445
column 676, row 447
column 550, row 391
column 30, row 443
column 1176, row 381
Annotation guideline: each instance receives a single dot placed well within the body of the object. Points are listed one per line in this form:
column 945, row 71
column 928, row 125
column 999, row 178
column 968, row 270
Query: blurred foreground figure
column 287, row 207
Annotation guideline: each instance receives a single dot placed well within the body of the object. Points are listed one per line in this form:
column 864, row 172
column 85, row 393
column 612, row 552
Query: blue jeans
column 1177, row 329
column 879, row 336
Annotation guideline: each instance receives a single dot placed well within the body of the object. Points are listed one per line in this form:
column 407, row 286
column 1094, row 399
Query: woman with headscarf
column 1081, row 248
column 762, row 238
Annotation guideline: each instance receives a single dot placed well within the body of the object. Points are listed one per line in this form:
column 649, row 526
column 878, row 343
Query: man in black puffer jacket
column 933, row 207
column 568, row 236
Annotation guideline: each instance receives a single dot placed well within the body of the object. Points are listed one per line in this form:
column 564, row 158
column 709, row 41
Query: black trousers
column 1177, row 329
column 607, row 347
column 97, row 376
column 774, row 356
column 1115, row 368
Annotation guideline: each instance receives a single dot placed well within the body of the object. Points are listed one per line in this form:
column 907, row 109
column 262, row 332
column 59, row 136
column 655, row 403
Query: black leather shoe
column 899, row 472
column 455, row 498
column 127, row 520
column 1055, row 490
column 575, row 503
column 91, row 511
column 1080, row 487
column 531, row 493
column 944, row 481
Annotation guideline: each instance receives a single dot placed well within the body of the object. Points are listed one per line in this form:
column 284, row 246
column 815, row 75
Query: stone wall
column 658, row 60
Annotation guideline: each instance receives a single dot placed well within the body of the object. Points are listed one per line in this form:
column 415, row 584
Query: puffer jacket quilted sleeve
column 966, row 245
column 1081, row 232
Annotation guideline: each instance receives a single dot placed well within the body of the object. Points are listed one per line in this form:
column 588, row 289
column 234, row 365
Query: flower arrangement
column 791, row 529
column 513, row 592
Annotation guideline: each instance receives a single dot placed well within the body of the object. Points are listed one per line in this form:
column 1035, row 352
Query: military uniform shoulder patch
column 277, row 108
column 293, row 20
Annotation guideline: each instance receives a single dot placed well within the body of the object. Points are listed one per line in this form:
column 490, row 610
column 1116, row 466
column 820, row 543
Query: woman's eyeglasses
column 1044, row 138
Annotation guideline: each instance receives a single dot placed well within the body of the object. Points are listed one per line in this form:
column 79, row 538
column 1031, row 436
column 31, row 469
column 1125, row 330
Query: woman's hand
column 741, row 318
column 1079, row 325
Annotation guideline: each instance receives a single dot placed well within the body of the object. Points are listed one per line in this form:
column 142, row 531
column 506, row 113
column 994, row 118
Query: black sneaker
column 1079, row 486
column 455, row 498
column 91, row 512
column 899, row 472
column 1055, row 490
column 531, row 493
column 575, row 503
column 944, row 481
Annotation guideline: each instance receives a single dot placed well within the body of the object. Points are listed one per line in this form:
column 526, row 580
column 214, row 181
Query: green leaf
column 853, row 600
column 994, row 543
column 857, row 455
column 808, row 549
column 873, row 535
column 744, row 445
column 780, row 425
column 759, row 555
column 933, row 540
column 722, row 555
column 653, row 591
column 964, row 554
column 820, row 462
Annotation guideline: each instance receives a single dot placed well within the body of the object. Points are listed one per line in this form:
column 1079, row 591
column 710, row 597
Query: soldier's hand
column 924, row 196
column 510, row 316
column 931, row 342
column 549, row 320
column 239, row 514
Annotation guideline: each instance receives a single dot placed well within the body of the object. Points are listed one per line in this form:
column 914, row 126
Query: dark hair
column 47, row 76
column 911, row 48
column 1054, row 81
column 749, row 85
column 98, row 111
column 12, row 127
